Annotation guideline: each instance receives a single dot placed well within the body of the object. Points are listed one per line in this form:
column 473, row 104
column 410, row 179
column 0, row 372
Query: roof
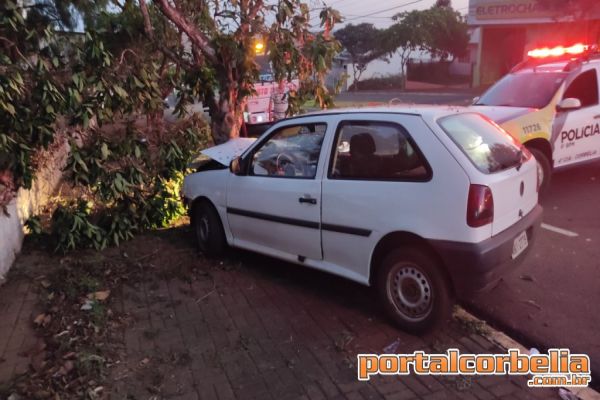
column 553, row 65
column 430, row 111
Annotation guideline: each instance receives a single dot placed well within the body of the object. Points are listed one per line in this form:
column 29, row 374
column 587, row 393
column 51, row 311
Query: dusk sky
column 379, row 12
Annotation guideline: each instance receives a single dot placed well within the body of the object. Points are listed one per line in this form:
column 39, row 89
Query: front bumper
column 474, row 267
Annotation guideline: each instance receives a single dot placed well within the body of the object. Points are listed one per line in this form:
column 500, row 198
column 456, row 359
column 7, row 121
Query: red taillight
column 480, row 206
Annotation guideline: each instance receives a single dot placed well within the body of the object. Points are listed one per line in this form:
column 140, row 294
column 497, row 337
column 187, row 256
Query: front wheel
column 414, row 290
column 208, row 229
column 544, row 170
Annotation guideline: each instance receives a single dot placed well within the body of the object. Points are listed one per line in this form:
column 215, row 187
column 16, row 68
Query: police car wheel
column 544, row 171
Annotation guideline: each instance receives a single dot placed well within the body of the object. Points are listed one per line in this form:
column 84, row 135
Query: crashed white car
column 424, row 203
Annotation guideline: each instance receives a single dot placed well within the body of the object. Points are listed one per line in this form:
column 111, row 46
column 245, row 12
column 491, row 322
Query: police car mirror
column 569, row 104
column 475, row 100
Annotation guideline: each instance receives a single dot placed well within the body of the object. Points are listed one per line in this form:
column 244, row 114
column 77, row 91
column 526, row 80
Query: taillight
column 480, row 206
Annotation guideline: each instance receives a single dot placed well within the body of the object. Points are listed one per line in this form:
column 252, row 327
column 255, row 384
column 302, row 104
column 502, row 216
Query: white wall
column 29, row 202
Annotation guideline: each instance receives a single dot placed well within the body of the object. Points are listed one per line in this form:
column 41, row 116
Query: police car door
column 577, row 132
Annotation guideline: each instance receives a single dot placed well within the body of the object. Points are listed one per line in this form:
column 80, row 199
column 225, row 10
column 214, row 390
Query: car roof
column 554, row 66
column 426, row 111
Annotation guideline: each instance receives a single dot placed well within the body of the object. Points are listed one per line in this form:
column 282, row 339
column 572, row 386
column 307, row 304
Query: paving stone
column 264, row 332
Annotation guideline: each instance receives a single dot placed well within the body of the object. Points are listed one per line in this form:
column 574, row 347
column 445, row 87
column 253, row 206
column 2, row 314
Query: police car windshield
column 527, row 89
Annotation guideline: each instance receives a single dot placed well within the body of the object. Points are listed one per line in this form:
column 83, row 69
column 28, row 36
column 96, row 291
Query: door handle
column 307, row 199
column 597, row 116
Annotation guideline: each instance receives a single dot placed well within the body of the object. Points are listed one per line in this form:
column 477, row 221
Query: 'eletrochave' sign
column 511, row 9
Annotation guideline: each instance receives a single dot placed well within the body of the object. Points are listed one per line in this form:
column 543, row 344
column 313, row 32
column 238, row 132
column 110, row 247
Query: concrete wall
column 29, row 202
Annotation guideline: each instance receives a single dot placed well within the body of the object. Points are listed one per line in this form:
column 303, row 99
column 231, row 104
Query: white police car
column 550, row 103
column 425, row 203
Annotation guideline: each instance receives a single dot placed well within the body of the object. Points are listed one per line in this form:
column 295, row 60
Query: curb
column 506, row 342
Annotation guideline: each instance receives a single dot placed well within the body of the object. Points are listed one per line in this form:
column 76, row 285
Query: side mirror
column 475, row 99
column 235, row 166
column 569, row 104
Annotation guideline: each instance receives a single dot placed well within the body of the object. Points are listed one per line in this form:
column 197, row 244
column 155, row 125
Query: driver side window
column 291, row 152
column 584, row 88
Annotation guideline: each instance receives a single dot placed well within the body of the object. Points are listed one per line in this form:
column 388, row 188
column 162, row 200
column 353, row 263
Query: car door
column 578, row 131
column 376, row 182
column 275, row 206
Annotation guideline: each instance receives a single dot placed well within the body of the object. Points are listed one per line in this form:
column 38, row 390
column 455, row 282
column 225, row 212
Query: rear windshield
column 532, row 90
column 489, row 148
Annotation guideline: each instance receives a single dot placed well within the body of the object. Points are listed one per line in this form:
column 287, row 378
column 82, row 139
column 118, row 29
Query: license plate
column 519, row 244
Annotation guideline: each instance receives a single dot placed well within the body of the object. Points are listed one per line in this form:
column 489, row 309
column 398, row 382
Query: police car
column 549, row 102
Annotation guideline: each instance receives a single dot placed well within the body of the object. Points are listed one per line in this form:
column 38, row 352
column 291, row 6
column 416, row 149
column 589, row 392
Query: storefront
column 509, row 28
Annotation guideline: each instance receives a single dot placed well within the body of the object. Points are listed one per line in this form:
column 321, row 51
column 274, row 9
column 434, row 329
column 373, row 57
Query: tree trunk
column 356, row 79
column 227, row 116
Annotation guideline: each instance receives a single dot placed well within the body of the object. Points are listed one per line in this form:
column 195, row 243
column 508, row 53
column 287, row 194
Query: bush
column 380, row 83
column 127, row 183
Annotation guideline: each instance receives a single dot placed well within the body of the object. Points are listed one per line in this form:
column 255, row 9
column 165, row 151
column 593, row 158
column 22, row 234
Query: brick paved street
column 249, row 327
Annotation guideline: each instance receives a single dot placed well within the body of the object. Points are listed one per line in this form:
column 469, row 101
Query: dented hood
column 229, row 150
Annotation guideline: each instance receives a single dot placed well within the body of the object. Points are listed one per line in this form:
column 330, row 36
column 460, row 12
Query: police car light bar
column 558, row 51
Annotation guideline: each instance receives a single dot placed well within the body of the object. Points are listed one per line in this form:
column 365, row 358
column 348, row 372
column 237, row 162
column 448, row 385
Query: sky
column 378, row 13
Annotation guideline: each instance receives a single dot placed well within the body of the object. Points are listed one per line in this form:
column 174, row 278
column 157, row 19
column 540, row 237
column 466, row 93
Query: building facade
column 510, row 28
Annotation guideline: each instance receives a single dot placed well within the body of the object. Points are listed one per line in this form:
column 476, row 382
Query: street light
column 259, row 47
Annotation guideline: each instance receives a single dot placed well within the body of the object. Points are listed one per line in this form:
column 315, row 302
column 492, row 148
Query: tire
column 208, row 229
column 414, row 290
column 545, row 169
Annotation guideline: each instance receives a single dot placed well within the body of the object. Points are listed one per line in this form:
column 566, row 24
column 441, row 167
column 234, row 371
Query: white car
column 425, row 203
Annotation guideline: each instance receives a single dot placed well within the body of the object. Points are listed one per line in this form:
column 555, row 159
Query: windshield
column 533, row 90
column 489, row 148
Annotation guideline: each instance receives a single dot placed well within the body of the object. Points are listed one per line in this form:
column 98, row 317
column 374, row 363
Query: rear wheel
column 208, row 230
column 414, row 290
column 544, row 169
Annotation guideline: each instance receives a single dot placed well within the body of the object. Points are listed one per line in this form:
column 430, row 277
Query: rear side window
column 373, row 150
column 584, row 88
column 488, row 147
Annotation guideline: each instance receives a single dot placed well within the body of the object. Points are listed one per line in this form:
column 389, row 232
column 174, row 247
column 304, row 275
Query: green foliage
column 129, row 174
column 34, row 225
column 439, row 30
column 363, row 43
column 30, row 92
column 72, row 228
column 387, row 82
column 221, row 69
column 135, row 185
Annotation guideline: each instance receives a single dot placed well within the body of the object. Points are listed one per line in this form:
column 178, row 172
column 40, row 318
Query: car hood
column 229, row 150
column 500, row 114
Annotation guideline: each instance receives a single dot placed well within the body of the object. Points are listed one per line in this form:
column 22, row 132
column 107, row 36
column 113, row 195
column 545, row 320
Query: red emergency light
column 558, row 51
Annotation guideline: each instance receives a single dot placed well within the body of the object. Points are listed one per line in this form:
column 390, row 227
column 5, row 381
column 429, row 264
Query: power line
column 382, row 11
column 373, row 17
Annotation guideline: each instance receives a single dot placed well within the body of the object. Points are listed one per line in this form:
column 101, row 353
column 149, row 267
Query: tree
column 440, row 30
column 443, row 3
column 363, row 44
column 404, row 37
column 447, row 33
column 219, row 39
